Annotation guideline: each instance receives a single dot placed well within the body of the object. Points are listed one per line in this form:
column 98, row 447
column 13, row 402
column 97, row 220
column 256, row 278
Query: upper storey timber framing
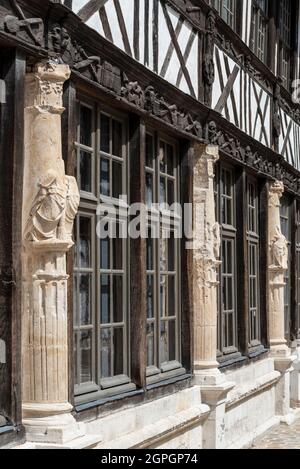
column 186, row 45
column 189, row 70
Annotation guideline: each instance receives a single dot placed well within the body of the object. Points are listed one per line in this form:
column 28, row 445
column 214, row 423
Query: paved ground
column 280, row 437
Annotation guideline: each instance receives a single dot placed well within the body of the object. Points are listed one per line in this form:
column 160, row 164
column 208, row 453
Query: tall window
column 100, row 273
column 298, row 269
column 163, row 259
column 285, row 41
column 253, row 263
column 227, row 318
column 286, row 228
column 226, row 9
column 258, row 38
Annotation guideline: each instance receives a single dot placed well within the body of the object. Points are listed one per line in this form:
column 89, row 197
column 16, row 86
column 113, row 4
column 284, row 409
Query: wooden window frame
column 219, row 6
column 246, row 346
column 286, row 214
column 259, row 25
column 159, row 372
column 296, row 270
column 227, row 355
column 253, row 240
column 136, row 263
column 285, row 46
column 102, row 387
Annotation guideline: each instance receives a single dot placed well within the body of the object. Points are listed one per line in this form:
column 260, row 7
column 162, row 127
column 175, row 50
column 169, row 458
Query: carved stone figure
column 279, row 250
column 53, row 210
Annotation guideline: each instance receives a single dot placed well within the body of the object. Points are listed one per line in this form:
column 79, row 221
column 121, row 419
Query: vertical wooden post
column 187, row 305
column 11, row 181
column 138, row 285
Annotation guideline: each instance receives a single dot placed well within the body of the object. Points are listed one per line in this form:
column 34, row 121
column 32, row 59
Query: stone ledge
column 243, row 392
column 166, row 428
column 84, row 442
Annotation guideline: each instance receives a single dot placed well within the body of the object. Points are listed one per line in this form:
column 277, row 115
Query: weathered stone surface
column 2, row 421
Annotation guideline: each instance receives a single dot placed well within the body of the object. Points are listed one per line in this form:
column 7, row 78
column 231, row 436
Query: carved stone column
column 50, row 203
column 206, row 248
column 205, row 263
column 278, row 263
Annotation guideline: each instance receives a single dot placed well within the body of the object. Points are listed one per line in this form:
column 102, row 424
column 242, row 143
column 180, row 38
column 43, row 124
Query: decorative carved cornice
column 256, row 160
column 113, row 79
column 17, row 23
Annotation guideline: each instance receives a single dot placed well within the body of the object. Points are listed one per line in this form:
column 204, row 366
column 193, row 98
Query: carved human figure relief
column 279, row 250
column 53, row 210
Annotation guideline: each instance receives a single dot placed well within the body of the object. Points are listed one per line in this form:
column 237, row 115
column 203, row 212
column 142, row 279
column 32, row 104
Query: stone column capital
column 276, row 191
column 45, row 85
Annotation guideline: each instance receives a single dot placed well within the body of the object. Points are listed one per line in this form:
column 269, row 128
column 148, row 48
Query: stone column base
column 53, row 424
column 214, row 390
column 283, row 408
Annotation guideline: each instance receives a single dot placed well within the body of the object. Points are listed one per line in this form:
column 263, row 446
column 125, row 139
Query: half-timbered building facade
column 185, row 110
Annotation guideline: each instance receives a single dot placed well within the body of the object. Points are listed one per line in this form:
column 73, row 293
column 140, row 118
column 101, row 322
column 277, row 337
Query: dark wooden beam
column 155, row 35
column 138, row 284
column 171, row 49
column 105, row 24
column 11, row 194
column 187, row 301
column 178, row 50
column 136, row 29
column 122, row 27
column 90, row 8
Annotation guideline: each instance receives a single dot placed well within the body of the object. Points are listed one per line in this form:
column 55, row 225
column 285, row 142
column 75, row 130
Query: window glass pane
column 104, row 177
column 171, row 252
column 105, row 252
column 170, row 160
column 117, row 138
column 150, row 344
column 86, row 356
column 85, row 299
column 163, row 295
column 149, row 151
column 171, row 192
column 76, row 358
column 172, row 340
column 75, row 301
column 118, row 298
column 172, row 295
column 104, row 133
column 163, row 342
column 86, row 126
column 85, row 241
column 150, row 253
column 149, row 189
column 150, row 297
column 105, row 338
column 85, row 171
column 163, row 253
column 162, row 191
column 118, row 249
column 105, row 299
column 162, row 157
column 118, row 351
column 117, row 179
